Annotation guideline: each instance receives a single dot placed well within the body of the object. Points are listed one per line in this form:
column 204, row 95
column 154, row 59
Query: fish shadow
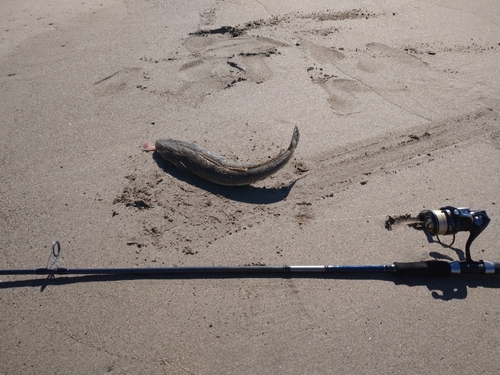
column 245, row 194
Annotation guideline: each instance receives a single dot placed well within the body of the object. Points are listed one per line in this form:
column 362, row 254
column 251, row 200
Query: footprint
column 304, row 212
column 346, row 96
column 197, row 43
column 348, row 85
column 399, row 56
column 320, row 53
column 243, row 45
column 490, row 102
column 193, row 93
column 342, row 96
column 221, row 59
column 254, row 67
column 118, row 81
column 371, row 65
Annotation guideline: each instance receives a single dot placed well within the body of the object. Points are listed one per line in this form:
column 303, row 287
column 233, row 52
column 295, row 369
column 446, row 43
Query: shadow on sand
column 443, row 288
column 245, row 194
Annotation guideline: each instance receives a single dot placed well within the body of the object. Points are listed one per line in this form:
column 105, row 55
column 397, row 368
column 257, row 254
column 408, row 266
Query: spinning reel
column 450, row 220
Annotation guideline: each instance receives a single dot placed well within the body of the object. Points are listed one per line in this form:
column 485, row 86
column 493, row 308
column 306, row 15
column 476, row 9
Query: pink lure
column 147, row 147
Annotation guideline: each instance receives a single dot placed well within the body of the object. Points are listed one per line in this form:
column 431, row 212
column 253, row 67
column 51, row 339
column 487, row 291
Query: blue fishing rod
column 445, row 221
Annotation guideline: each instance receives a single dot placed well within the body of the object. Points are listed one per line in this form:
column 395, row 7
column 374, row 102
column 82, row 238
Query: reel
column 451, row 220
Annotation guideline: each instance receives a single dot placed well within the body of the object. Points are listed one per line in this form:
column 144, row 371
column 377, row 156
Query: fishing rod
column 445, row 221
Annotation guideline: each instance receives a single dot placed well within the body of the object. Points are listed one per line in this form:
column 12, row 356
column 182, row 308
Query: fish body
column 199, row 161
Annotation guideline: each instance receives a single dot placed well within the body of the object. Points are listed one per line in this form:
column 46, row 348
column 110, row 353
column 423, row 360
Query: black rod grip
column 427, row 268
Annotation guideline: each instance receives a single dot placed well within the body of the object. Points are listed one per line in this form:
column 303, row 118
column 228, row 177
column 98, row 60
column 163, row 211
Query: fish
column 205, row 164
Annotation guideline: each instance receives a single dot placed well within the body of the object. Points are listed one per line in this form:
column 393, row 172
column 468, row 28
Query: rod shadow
column 442, row 288
column 245, row 194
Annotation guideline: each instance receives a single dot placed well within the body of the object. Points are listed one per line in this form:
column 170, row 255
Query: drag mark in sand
column 394, row 151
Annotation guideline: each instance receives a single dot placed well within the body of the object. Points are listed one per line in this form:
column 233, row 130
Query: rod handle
column 443, row 268
column 427, row 268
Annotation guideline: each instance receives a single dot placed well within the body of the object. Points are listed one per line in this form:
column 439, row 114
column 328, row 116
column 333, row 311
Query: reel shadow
column 453, row 287
column 245, row 194
column 430, row 239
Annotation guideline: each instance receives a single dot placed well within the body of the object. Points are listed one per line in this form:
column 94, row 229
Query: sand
column 397, row 104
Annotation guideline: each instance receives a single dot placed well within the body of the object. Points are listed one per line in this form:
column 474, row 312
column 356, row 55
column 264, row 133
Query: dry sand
column 397, row 104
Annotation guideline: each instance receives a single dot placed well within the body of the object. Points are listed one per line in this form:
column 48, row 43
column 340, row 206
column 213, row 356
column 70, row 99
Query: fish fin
column 183, row 168
column 237, row 169
column 211, row 160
